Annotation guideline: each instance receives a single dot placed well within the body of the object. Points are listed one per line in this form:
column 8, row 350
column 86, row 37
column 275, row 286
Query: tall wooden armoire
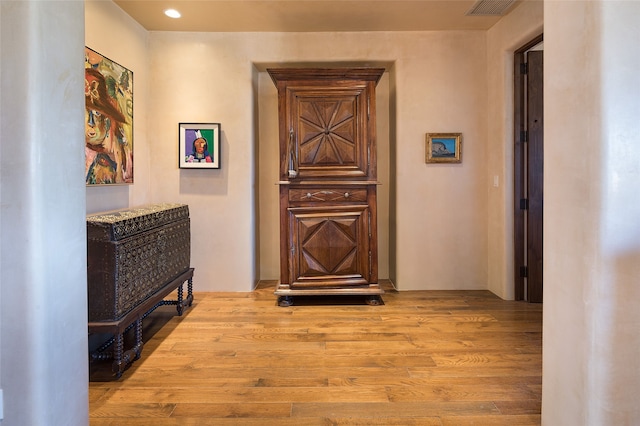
column 328, row 178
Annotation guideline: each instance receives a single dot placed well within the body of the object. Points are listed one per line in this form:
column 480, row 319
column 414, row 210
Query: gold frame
column 447, row 157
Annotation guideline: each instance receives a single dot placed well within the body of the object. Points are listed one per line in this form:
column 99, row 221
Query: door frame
column 519, row 181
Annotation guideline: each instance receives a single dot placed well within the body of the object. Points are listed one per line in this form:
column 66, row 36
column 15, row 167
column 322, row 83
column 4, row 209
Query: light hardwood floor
column 422, row 358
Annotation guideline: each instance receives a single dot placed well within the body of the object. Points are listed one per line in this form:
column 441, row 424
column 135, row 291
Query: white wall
column 43, row 288
column 207, row 78
column 591, row 321
column 503, row 39
column 439, row 86
column 441, row 214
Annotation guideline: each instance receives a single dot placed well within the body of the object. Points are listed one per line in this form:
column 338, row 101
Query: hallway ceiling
column 311, row 15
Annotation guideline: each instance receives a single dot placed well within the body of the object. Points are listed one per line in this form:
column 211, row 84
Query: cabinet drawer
column 335, row 195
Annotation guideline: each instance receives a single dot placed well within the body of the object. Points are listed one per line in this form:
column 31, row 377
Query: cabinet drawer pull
column 347, row 195
column 309, row 195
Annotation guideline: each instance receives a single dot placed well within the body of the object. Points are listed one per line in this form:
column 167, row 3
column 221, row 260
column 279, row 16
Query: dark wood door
column 528, row 171
column 535, row 175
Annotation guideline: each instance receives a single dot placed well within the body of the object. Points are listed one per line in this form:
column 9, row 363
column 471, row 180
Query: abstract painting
column 199, row 145
column 108, row 92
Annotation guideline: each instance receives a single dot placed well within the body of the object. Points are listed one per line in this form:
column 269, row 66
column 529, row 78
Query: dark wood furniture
column 328, row 178
column 121, row 357
column 135, row 259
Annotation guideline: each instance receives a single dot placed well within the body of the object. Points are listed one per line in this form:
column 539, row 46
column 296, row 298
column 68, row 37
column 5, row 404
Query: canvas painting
column 443, row 148
column 108, row 91
column 199, row 145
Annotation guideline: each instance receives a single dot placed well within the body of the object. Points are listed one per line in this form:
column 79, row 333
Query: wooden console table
column 121, row 357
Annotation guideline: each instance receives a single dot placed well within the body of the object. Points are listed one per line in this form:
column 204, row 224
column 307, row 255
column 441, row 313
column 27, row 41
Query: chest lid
column 119, row 224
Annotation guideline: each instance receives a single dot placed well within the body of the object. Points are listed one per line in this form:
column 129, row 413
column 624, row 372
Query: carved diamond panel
column 328, row 246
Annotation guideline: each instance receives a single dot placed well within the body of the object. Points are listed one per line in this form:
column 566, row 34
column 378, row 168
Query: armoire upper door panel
column 329, row 132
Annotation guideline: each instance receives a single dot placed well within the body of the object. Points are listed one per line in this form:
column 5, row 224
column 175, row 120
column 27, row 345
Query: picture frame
column 443, row 148
column 108, row 92
column 199, row 145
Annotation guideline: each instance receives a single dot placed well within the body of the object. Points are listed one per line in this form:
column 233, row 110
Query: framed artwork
column 444, row 148
column 199, row 145
column 108, row 121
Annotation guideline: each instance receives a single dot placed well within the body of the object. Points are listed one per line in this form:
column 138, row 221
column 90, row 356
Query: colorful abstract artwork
column 199, row 145
column 108, row 91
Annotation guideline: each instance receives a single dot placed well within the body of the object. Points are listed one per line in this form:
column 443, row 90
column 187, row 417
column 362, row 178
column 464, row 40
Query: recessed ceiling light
column 172, row 13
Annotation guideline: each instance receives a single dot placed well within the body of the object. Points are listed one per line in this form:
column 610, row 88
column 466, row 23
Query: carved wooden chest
column 133, row 253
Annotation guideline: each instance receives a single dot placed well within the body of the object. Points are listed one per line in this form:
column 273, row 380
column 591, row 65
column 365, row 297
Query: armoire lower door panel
column 329, row 247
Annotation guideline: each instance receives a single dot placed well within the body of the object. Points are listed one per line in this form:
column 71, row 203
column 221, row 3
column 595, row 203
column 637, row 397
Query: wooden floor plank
column 422, row 358
column 223, row 421
column 231, row 395
column 523, row 420
column 426, row 409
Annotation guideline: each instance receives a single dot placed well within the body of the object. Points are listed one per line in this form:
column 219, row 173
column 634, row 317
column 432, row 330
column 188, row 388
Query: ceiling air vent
column 490, row 7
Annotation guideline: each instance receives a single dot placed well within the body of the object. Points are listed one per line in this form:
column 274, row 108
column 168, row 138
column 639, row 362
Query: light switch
column 496, row 181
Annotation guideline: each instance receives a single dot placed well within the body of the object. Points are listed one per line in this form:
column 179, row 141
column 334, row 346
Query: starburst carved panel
column 327, row 133
column 330, row 133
